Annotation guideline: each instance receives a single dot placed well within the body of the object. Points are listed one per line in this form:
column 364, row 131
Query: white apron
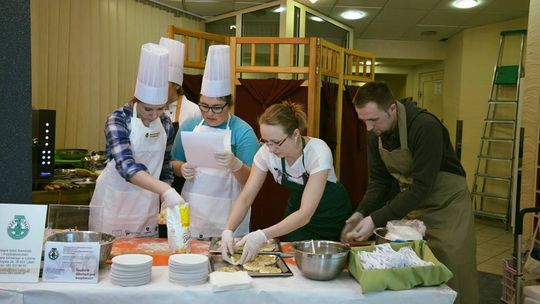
column 211, row 194
column 128, row 210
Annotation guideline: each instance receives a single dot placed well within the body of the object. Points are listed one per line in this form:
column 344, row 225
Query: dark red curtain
column 192, row 87
column 252, row 98
column 327, row 120
column 353, row 165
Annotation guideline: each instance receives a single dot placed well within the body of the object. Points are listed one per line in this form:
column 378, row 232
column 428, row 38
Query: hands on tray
column 227, row 248
column 252, row 243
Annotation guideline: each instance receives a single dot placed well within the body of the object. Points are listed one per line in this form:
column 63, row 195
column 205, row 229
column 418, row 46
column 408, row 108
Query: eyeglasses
column 271, row 144
column 215, row 109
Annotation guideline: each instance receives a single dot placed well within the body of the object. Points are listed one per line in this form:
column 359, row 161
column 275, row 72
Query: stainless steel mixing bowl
column 105, row 240
column 320, row 260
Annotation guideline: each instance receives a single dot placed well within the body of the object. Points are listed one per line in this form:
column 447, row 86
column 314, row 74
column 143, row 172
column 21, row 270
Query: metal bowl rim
column 105, row 237
column 345, row 247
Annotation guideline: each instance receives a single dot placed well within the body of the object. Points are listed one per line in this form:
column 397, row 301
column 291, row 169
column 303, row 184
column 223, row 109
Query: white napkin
column 384, row 257
column 222, row 281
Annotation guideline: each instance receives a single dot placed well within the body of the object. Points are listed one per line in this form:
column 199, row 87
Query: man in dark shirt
column 409, row 145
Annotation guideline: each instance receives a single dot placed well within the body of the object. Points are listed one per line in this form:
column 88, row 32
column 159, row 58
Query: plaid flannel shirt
column 118, row 146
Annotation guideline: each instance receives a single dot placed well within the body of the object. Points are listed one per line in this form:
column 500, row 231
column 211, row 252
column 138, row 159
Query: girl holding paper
column 210, row 191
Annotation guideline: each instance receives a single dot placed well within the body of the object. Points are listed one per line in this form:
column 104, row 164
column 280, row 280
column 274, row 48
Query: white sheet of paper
column 71, row 262
column 200, row 148
column 21, row 240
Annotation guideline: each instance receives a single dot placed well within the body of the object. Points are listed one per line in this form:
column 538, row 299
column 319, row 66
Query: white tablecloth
column 287, row 290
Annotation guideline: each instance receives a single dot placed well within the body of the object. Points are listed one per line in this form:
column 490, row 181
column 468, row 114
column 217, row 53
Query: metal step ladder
column 493, row 185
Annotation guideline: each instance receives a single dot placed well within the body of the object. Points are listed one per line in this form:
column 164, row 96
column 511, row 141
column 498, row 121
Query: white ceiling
column 386, row 19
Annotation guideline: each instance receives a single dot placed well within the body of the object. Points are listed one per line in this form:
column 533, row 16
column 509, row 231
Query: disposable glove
column 228, row 160
column 227, row 249
column 252, row 243
column 171, row 198
column 362, row 231
column 350, row 223
column 188, row 171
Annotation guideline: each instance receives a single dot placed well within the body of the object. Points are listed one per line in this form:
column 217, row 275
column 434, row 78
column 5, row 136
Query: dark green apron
column 447, row 214
column 329, row 217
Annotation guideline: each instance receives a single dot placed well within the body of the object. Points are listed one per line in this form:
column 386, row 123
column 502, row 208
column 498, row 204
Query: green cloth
column 399, row 278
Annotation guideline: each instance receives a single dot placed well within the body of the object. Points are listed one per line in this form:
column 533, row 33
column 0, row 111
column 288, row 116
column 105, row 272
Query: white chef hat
column 176, row 59
column 152, row 81
column 216, row 80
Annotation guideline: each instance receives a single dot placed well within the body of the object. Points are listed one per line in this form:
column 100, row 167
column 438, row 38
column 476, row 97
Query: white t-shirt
column 189, row 109
column 317, row 157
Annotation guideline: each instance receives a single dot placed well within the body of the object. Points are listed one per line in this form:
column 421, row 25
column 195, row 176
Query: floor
column 494, row 245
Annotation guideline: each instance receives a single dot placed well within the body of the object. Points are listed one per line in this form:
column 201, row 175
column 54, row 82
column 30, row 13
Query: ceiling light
column 465, row 3
column 313, row 1
column 368, row 63
column 353, row 15
column 428, row 33
column 315, row 18
column 278, row 9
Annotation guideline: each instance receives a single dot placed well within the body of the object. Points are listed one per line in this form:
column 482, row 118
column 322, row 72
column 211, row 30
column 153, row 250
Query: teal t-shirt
column 244, row 143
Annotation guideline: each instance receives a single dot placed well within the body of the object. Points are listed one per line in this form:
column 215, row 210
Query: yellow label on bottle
column 184, row 214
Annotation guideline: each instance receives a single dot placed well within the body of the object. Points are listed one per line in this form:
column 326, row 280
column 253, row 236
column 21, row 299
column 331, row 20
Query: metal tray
column 215, row 246
column 216, row 262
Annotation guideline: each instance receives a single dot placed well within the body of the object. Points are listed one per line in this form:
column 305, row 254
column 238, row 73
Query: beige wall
column 531, row 114
column 85, row 57
column 428, row 50
column 452, row 84
column 396, row 82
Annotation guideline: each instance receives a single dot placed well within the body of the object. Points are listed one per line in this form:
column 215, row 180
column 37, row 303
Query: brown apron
column 446, row 212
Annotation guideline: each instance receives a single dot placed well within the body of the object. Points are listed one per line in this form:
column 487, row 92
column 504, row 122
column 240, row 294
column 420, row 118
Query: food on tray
column 263, row 264
column 270, row 269
column 266, row 260
column 235, row 258
column 269, row 246
column 254, row 266
column 238, row 248
column 229, row 269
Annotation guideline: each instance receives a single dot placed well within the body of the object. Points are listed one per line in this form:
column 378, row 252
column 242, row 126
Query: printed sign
column 71, row 262
column 22, row 229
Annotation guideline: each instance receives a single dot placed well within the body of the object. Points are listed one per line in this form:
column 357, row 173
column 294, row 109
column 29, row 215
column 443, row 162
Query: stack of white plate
column 131, row 269
column 188, row 269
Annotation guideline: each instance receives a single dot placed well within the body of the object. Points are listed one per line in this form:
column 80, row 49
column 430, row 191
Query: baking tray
column 215, row 246
column 216, row 262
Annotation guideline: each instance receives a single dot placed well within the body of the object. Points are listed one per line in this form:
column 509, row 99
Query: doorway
column 430, row 93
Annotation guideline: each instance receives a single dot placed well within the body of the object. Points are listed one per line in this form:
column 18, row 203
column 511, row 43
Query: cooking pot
column 105, row 241
column 95, row 161
column 71, row 154
column 381, row 236
column 320, row 260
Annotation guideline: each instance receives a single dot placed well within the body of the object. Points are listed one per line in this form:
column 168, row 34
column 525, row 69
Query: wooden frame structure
column 325, row 61
column 201, row 38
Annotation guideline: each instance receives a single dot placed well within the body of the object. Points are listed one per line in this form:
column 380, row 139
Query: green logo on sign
column 54, row 254
column 18, row 227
